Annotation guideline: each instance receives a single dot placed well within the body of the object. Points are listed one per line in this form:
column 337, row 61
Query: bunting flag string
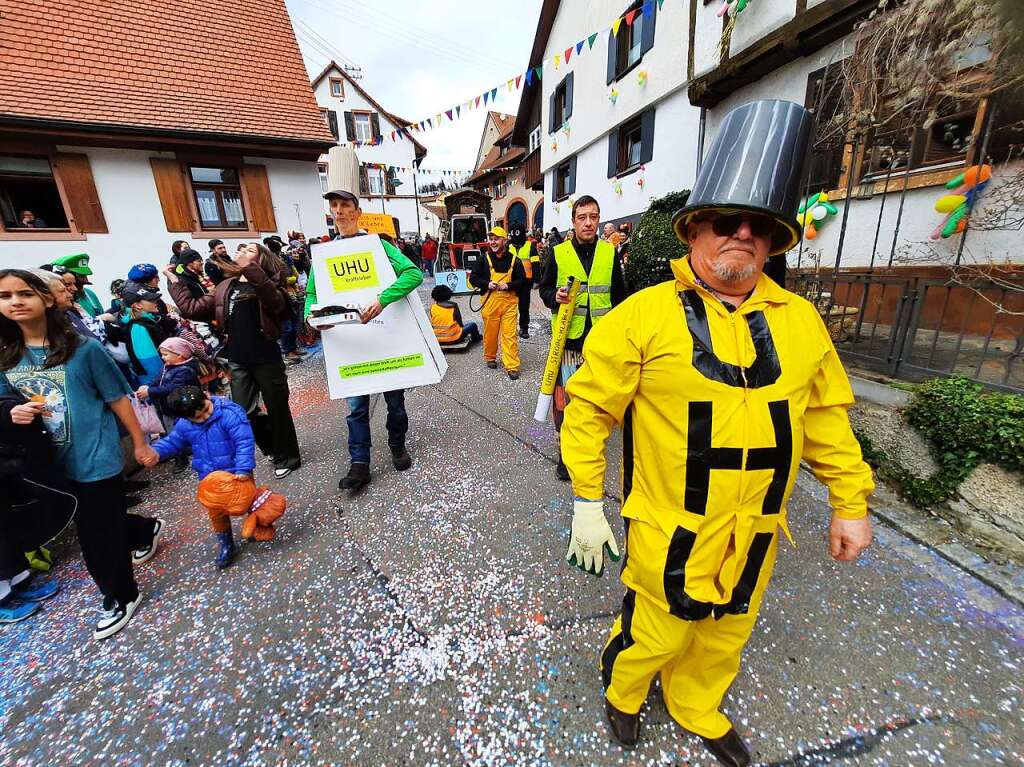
column 514, row 83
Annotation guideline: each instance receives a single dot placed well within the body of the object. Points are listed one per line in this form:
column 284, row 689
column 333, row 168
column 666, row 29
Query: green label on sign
column 381, row 366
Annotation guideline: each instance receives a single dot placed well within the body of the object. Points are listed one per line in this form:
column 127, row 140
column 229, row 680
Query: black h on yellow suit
column 718, row 407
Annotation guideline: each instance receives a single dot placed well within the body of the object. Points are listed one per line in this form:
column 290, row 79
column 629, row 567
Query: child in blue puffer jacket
column 221, row 438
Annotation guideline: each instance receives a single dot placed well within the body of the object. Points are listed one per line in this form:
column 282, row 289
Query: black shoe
column 357, row 478
column 180, row 464
column 114, row 616
column 513, row 375
column 400, row 458
column 492, row 364
column 135, row 485
column 524, row 333
column 561, row 471
column 625, row 727
column 131, row 501
column 729, row 749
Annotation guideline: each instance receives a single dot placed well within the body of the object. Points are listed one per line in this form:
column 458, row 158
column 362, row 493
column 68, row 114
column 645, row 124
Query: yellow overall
column 718, row 407
column 501, row 316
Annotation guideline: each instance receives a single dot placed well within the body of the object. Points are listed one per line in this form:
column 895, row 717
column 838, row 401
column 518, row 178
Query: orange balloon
column 977, row 174
column 810, row 232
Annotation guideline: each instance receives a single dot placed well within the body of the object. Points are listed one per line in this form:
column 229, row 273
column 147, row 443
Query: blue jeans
column 472, row 330
column 359, row 424
column 289, row 336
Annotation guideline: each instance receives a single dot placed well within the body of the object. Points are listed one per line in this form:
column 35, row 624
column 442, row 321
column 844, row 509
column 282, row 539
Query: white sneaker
column 116, row 618
column 139, row 556
column 282, row 473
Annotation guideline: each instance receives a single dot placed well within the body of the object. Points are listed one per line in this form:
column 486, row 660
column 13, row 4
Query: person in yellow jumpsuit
column 723, row 382
column 500, row 276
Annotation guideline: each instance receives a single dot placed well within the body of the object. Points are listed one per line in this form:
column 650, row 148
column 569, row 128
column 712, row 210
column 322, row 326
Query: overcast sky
column 420, row 57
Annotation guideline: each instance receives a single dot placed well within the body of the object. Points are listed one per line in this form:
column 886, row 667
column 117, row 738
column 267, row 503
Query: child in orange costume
column 226, row 495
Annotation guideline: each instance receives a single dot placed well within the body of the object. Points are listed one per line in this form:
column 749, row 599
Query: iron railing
column 916, row 328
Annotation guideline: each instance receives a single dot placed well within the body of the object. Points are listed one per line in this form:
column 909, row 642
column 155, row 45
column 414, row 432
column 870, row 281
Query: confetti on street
column 431, row 620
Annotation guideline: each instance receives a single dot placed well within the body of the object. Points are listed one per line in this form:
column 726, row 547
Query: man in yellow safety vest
column 592, row 261
column 723, row 382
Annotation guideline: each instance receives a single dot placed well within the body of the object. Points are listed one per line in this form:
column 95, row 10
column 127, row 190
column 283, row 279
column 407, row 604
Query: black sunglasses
column 726, row 224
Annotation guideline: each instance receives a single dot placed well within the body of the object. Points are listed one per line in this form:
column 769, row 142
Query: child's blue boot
column 227, row 550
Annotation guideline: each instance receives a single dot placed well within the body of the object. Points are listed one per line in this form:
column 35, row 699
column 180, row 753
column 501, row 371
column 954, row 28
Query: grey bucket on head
column 756, row 163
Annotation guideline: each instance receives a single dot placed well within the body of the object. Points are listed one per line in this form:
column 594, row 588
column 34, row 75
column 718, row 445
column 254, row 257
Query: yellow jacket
column 717, row 409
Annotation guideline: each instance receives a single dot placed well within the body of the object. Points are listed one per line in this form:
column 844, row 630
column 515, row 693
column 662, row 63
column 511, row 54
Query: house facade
column 630, row 119
column 388, row 178
column 119, row 145
column 614, row 122
column 501, row 175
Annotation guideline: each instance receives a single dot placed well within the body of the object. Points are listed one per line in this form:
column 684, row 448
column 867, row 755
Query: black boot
column 625, row 727
column 561, row 471
column 357, row 478
column 180, row 464
column 729, row 749
column 226, row 550
column 400, row 457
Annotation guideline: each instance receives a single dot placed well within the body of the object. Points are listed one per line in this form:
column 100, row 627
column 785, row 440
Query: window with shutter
column 257, row 190
column 173, row 190
column 375, row 126
column 626, row 50
column 565, row 179
column 350, row 126
column 30, row 196
column 332, row 123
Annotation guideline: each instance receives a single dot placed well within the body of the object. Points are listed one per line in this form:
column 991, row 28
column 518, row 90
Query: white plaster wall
column 673, row 167
column 593, row 112
column 707, row 38
column 919, row 216
column 760, row 18
column 429, row 223
column 137, row 232
column 399, row 153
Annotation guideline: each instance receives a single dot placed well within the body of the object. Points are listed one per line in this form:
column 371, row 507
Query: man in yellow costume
column 722, row 381
column 500, row 276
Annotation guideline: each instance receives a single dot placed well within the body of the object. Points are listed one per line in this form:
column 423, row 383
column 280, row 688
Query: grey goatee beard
column 731, row 274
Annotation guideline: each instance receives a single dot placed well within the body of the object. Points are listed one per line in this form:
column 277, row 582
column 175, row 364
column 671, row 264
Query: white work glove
column 589, row 536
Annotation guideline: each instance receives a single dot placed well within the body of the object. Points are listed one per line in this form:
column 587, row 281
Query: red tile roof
column 202, row 67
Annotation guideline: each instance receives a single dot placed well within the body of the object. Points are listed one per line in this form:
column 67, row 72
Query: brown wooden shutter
column 257, row 190
column 173, row 189
column 80, row 191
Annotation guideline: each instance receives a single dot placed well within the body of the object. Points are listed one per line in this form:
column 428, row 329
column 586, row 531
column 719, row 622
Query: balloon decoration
column 733, row 7
column 814, row 212
column 617, row 187
column 613, row 96
column 641, row 78
column 963, row 193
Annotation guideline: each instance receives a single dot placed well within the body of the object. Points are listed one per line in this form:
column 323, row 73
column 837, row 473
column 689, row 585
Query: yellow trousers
column 697, row 659
column 501, row 317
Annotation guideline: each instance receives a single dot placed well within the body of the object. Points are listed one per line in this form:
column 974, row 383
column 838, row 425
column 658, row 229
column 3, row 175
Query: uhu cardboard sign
column 397, row 350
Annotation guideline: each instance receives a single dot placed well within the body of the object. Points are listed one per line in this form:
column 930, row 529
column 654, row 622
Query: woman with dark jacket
column 249, row 307
column 35, row 506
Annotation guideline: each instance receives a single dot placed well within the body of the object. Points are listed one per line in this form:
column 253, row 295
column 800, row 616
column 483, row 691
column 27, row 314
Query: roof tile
column 173, row 67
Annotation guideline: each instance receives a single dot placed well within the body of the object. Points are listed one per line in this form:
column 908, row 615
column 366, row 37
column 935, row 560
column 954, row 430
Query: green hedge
column 654, row 243
column 965, row 426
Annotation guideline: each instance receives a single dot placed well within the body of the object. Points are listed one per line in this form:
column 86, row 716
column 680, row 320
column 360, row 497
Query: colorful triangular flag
column 630, row 17
column 511, row 84
column 591, row 40
column 519, row 79
column 615, row 27
column 494, row 94
column 579, row 46
column 458, row 111
column 568, row 53
column 558, row 60
column 430, row 123
column 660, row 3
column 486, row 96
column 478, row 101
column 449, row 113
column 648, row 8
column 529, row 76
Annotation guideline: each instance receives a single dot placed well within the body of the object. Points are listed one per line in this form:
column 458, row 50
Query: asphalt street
column 432, row 620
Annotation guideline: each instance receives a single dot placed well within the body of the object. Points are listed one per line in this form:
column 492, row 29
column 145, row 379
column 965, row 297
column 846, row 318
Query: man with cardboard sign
column 383, row 341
